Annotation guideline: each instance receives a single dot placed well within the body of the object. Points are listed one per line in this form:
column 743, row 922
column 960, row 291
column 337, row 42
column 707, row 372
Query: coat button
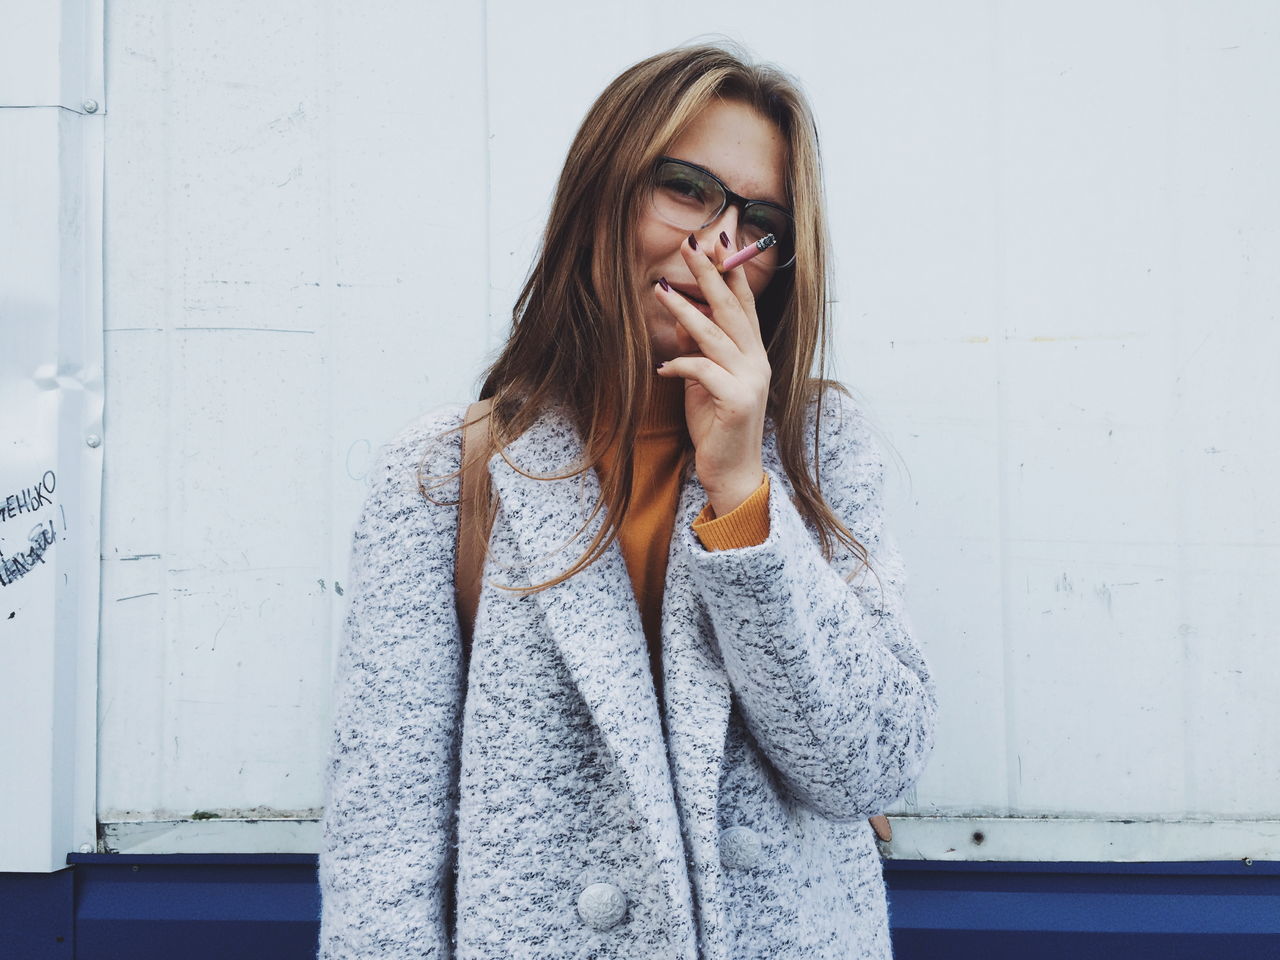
column 740, row 848
column 601, row 906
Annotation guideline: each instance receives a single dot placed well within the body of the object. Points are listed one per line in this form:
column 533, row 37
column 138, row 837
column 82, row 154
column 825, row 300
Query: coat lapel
column 697, row 694
column 595, row 621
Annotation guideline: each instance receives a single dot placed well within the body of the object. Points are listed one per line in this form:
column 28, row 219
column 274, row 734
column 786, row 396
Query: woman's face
column 748, row 153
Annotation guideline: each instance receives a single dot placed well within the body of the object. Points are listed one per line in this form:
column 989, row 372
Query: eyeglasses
column 689, row 197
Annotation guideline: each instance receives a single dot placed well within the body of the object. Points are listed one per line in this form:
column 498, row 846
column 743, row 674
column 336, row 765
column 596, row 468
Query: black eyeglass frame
column 737, row 200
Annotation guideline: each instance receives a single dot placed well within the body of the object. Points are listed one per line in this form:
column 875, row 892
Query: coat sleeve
column 827, row 673
column 385, row 863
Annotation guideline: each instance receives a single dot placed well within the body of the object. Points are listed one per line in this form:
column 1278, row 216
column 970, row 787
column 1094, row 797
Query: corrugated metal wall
column 1055, row 232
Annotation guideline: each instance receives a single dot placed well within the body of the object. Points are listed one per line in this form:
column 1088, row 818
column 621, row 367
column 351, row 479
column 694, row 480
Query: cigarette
column 746, row 253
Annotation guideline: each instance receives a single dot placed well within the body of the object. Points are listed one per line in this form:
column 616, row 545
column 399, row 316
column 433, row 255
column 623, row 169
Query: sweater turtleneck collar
column 665, row 414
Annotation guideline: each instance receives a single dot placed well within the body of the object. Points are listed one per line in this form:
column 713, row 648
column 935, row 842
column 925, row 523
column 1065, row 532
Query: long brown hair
column 579, row 312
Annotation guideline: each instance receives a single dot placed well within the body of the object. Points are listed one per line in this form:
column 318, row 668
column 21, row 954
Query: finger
column 736, row 280
column 712, row 340
column 726, row 304
column 713, row 378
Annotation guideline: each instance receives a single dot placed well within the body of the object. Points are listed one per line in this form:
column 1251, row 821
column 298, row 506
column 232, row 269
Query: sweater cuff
column 747, row 525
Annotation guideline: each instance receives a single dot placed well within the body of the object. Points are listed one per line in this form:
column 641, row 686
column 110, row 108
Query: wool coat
column 534, row 800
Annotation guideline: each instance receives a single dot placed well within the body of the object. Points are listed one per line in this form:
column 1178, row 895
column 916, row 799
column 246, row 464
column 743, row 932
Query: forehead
column 740, row 146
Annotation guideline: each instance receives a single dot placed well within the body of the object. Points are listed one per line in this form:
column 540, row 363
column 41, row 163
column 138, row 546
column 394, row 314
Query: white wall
column 1055, row 231
column 51, row 407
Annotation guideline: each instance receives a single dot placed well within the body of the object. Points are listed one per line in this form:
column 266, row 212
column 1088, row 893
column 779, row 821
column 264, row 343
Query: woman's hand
column 727, row 387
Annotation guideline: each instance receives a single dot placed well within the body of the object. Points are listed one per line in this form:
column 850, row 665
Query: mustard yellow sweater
column 661, row 446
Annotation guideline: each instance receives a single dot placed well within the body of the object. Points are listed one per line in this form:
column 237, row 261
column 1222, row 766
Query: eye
column 764, row 220
column 683, row 186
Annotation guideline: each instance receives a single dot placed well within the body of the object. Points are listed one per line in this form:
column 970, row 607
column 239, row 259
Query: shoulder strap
column 880, row 824
column 472, row 538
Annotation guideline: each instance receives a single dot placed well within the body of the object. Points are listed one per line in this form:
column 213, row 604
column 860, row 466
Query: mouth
column 702, row 305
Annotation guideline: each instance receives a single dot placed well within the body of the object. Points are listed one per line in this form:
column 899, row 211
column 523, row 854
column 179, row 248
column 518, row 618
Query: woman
column 684, row 695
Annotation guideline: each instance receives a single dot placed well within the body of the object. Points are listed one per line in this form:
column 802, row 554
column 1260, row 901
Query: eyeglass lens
column 687, row 198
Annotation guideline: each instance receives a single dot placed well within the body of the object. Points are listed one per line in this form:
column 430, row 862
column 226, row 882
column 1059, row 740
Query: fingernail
column 693, row 244
column 665, row 286
column 724, row 238
column 662, row 364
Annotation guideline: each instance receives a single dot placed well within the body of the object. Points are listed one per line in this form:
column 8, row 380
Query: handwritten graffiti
column 14, row 568
column 28, row 499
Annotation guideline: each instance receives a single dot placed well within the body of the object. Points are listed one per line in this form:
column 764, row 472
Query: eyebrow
column 776, row 203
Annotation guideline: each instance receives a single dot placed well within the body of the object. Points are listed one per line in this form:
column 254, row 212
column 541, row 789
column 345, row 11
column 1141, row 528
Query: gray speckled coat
column 797, row 705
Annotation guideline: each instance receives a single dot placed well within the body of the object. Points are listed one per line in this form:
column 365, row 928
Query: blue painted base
column 1065, row 911
column 114, row 907
column 37, row 915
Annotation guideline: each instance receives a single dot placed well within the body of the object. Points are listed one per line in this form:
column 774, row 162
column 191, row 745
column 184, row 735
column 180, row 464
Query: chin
column 664, row 346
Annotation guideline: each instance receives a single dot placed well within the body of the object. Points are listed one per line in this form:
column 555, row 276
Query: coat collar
column 595, row 621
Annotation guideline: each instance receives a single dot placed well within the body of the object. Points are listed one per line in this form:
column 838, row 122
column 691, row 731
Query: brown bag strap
column 880, row 824
column 468, row 566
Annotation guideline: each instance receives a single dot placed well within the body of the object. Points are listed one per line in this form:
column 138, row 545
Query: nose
column 759, row 271
column 726, row 223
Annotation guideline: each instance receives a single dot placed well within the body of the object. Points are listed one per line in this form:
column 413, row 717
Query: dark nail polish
column 665, row 286
column 724, row 238
column 662, row 364
column 693, row 244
